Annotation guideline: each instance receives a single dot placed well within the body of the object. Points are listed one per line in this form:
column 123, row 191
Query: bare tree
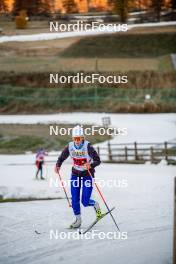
column 70, row 6
column 3, row 6
column 32, row 7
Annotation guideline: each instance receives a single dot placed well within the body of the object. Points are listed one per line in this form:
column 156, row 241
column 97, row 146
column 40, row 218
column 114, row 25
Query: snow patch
column 51, row 36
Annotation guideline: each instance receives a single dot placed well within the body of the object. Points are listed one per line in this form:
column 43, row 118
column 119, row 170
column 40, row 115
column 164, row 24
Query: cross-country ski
column 95, row 222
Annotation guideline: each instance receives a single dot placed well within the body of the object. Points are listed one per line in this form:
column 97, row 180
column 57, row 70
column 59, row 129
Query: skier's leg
column 75, row 193
column 87, row 191
column 41, row 171
column 37, row 173
column 86, row 194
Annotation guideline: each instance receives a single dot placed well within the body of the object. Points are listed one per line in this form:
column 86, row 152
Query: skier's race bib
column 79, row 156
column 79, row 161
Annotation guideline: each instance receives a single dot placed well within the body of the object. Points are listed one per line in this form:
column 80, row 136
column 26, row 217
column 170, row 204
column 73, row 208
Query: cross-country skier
column 41, row 153
column 85, row 159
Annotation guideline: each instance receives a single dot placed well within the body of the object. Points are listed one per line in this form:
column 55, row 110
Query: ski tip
column 72, row 228
column 38, row 233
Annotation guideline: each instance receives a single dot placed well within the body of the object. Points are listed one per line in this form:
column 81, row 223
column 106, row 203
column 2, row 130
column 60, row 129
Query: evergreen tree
column 157, row 7
column 173, row 4
column 46, row 6
column 3, row 6
column 121, row 8
column 33, row 7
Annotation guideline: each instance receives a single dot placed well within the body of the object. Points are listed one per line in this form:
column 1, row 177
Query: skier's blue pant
column 76, row 184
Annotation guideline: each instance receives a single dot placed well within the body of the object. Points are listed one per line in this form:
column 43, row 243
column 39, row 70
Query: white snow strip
column 144, row 209
column 139, row 126
column 173, row 57
column 51, row 36
column 18, row 182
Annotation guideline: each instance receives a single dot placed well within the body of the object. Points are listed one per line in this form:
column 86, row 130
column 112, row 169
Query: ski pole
column 69, row 204
column 101, row 195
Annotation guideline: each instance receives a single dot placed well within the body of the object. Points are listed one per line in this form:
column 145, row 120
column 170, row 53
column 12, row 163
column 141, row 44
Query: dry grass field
column 45, row 55
column 15, row 138
column 25, row 66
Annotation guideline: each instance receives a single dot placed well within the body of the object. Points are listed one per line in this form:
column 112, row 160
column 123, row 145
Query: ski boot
column 77, row 222
column 98, row 210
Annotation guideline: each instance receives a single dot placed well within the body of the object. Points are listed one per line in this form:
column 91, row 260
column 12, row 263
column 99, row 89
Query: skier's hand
column 57, row 169
column 87, row 166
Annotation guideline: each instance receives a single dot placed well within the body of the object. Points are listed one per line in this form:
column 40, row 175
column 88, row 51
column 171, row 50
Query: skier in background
column 85, row 159
column 41, row 153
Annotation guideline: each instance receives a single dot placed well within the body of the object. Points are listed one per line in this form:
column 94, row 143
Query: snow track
column 144, row 210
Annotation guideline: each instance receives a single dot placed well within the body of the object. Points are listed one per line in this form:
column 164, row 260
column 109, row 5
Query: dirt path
column 36, row 48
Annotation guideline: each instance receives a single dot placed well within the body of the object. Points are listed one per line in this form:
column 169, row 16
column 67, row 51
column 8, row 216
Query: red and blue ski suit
column 80, row 176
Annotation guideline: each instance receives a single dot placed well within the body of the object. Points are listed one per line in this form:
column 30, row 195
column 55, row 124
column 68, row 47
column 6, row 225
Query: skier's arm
column 94, row 155
column 63, row 156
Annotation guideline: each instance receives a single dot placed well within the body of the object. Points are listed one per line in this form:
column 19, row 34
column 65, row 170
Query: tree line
column 121, row 7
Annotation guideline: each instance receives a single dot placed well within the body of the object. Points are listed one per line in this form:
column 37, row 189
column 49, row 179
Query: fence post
column 98, row 150
column 126, row 154
column 96, row 65
column 109, row 151
column 174, row 242
column 135, row 151
column 166, row 150
column 151, row 155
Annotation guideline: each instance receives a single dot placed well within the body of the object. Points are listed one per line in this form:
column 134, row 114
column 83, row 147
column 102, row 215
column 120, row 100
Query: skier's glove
column 57, row 169
column 87, row 166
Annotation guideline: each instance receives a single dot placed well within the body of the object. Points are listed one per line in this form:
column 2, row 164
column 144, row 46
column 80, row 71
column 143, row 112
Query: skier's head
column 40, row 150
column 78, row 135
